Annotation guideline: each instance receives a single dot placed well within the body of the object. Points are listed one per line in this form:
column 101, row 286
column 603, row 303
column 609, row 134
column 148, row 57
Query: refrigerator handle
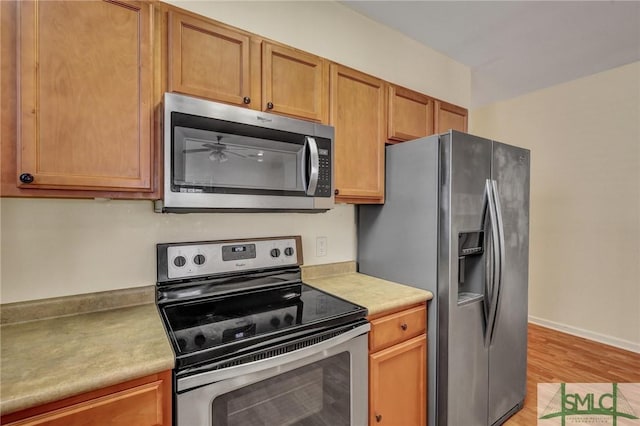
column 494, row 265
column 486, row 302
column 501, row 254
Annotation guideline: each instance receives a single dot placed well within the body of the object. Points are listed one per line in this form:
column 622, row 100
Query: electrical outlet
column 321, row 246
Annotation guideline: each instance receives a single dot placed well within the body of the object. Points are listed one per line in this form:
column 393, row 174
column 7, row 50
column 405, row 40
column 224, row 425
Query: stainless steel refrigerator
column 456, row 222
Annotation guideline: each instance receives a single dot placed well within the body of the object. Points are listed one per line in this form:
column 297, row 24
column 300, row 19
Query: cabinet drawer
column 395, row 328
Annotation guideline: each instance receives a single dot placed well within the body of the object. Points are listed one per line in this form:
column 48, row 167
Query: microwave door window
column 208, row 161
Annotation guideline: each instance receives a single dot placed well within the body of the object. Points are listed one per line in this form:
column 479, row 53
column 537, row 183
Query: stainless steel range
column 255, row 345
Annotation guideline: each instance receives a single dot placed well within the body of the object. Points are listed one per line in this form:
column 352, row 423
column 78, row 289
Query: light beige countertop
column 51, row 359
column 375, row 294
column 48, row 359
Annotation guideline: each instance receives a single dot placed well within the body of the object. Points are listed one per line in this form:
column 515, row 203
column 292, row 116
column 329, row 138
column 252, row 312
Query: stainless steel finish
column 489, row 261
column 215, row 264
column 183, row 202
column 398, row 241
column 438, row 187
column 315, row 165
column 508, row 351
column 494, row 266
column 194, row 406
column 465, row 351
column 501, row 252
column 201, row 379
column 303, row 163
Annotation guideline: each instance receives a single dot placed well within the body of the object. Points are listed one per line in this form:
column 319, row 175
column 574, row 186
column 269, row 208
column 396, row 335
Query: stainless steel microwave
column 220, row 157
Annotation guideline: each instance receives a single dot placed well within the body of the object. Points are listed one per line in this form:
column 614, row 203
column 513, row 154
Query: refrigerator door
column 463, row 358
column 397, row 241
column 508, row 348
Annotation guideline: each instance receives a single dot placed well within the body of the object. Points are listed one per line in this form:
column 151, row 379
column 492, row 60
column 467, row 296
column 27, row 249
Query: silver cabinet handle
column 314, row 159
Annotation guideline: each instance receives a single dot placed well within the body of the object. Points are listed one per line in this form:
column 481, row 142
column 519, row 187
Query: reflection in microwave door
column 218, row 151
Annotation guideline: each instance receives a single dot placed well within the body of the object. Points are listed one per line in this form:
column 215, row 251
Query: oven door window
column 316, row 394
column 216, row 162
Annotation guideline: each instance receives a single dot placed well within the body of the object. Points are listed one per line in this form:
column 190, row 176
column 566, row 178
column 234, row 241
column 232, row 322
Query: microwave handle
column 314, row 160
column 303, row 165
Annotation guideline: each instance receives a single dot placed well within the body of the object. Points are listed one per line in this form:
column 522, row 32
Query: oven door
column 325, row 383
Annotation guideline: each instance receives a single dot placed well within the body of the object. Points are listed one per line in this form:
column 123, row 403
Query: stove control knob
column 199, row 259
column 275, row 321
column 288, row 251
column 199, row 340
column 179, row 261
column 275, row 252
column 288, row 318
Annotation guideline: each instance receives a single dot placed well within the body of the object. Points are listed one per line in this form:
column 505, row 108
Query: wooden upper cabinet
column 357, row 111
column 450, row 116
column 411, row 115
column 209, row 60
column 85, row 91
column 294, row 82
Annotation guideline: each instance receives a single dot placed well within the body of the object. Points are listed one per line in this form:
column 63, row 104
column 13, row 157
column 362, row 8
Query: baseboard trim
column 607, row 340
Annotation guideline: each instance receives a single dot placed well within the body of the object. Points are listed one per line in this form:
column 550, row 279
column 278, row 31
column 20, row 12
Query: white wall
column 584, row 137
column 61, row 247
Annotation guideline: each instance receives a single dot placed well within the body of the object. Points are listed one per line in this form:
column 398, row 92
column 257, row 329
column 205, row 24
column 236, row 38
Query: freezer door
column 397, row 241
column 508, row 348
column 463, row 358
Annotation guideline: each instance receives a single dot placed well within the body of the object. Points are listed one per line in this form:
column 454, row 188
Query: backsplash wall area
column 54, row 248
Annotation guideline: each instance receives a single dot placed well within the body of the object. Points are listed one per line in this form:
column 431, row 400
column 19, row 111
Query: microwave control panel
column 325, row 173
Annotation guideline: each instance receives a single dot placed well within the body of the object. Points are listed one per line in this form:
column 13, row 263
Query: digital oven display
column 239, row 252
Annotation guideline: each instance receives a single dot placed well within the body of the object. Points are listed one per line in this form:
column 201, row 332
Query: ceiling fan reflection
column 218, row 151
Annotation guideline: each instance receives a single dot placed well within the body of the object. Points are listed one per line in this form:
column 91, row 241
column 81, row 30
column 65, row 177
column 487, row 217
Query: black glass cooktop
column 216, row 327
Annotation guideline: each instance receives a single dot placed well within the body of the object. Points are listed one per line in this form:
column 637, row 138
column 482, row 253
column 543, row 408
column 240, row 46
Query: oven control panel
column 206, row 258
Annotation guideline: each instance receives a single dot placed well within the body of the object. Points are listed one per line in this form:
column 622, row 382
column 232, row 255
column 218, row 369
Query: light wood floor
column 555, row 357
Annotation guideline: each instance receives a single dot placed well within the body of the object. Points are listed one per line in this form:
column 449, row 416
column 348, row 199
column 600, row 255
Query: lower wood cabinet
column 398, row 368
column 141, row 402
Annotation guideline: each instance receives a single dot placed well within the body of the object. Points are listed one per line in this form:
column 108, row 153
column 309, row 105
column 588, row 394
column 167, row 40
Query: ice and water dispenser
column 471, row 267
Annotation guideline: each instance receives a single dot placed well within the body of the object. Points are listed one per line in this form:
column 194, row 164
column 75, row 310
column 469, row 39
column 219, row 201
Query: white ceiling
column 515, row 47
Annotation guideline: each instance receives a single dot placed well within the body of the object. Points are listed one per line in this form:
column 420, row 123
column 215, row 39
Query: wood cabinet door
column 397, row 384
column 208, row 60
column 294, row 83
column 138, row 406
column 411, row 114
column 450, row 116
column 357, row 111
column 142, row 402
column 85, row 91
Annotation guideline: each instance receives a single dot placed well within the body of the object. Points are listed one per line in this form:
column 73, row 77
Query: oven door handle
column 208, row 377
